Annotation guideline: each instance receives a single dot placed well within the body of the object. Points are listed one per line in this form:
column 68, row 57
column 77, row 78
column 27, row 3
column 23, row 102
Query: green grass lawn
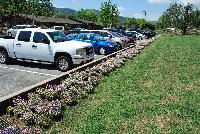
column 156, row 92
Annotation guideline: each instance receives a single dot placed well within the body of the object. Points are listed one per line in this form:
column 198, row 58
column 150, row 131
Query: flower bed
column 46, row 105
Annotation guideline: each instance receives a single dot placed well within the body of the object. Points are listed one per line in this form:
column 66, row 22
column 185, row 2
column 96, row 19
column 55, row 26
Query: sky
column 127, row 8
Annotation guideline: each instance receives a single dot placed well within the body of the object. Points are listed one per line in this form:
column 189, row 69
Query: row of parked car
column 109, row 40
column 50, row 45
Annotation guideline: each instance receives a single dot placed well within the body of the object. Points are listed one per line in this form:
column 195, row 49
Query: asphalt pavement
column 20, row 74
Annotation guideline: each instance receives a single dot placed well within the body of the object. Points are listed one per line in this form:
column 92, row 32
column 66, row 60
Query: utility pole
column 145, row 14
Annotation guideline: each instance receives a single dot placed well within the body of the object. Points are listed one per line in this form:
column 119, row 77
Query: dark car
column 148, row 33
column 122, row 33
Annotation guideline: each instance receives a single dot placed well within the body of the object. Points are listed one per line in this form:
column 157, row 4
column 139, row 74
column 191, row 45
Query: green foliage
column 180, row 16
column 131, row 23
column 70, row 15
column 109, row 14
column 148, row 25
column 141, row 22
column 88, row 14
column 33, row 7
column 58, row 14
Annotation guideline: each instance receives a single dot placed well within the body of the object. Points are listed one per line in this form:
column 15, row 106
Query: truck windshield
column 58, row 36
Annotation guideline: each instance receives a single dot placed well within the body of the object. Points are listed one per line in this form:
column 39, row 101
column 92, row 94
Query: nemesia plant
column 31, row 130
column 8, row 130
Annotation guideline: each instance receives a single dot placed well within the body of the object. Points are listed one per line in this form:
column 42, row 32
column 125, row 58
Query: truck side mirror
column 45, row 41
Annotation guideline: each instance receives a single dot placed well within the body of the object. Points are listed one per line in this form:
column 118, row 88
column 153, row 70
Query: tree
column 109, row 14
column 33, row 7
column 11, row 7
column 141, row 22
column 70, row 15
column 88, row 14
column 196, row 18
column 39, row 7
column 131, row 23
column 179, row 16
column 58, row 14
column 149, row 25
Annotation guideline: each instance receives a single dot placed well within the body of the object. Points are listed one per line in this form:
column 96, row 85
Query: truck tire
column 4, row 58
column 63, row 63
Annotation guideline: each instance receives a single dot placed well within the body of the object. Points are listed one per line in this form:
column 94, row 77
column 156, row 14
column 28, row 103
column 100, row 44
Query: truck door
column 22, row 46
column 40, row 47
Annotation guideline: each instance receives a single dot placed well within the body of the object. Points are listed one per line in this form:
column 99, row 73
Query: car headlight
column 81, row 51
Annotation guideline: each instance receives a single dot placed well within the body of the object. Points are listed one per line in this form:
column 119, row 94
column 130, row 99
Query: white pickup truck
column 45, row 45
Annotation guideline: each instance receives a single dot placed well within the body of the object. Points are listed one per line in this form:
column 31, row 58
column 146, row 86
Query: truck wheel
column 4, row 58
column 102, row 51
column 63, row 63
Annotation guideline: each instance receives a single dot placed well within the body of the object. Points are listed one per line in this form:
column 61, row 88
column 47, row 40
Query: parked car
column 121, row 41
column 122, row 33
column 76, row 30
column 101, row 46
column 150, row 33
column 46, row 45
column 147, row 33
column 60, row 28
column 138, row 35
column 13, row 31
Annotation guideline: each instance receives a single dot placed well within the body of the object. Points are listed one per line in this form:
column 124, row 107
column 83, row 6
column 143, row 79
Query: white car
column 45, row 45
column 13, row 31
column 139, row 36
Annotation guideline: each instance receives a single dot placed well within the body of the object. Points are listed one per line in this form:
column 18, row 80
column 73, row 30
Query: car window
column 114, row 34
column 58, row 28
column 24, row 36
column 80, row 37
column 58, row 36
column 96, row 32
column 91, row 37
column 105, row 34
column 38, row 37
column 84, row 31
column 23, row 27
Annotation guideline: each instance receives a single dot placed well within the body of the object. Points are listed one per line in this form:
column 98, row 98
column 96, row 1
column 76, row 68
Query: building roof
column 88, row 22
column 45, row 19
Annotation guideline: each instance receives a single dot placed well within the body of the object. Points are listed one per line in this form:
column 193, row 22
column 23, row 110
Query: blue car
column 101, row 46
